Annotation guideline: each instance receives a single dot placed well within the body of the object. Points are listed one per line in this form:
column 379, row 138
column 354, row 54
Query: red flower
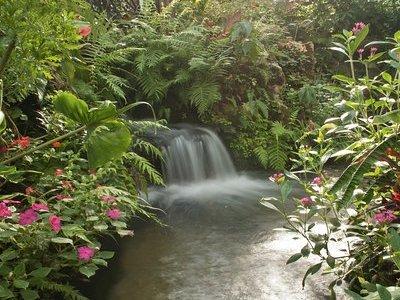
column 386, row 216
column 3, row 149
column 85, row 30
column 317, row 181
column 23, row 142
column 56, row 144
column 396, row 197
column 58, row 172
column 277, row 178
column 55, row 223
column 358, row 27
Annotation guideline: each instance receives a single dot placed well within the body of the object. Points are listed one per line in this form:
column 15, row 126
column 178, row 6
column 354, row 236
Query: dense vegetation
column 81, row 81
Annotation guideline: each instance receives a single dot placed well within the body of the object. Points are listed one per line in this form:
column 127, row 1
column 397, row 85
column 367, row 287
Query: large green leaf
column 72, row 107
column 360, row 37
column 107, row 142
column 2, row 122
column 393, row 116
column 105, row 111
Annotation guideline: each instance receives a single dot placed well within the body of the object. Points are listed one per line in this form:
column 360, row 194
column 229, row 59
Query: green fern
column 204, row 95
column 64, row 289
column 143, row 166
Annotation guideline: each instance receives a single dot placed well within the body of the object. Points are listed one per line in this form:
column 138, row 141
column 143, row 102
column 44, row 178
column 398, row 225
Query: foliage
column 359, row 211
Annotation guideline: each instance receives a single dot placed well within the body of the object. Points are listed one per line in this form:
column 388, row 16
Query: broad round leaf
column 107, row 142
column 72, row 107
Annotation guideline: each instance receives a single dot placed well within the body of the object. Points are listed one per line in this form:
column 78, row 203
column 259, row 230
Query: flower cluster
column 358, row 27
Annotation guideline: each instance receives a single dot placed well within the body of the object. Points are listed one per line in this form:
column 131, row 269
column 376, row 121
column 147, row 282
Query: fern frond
column 64, row 289
column 204, row 95
column 143, row 166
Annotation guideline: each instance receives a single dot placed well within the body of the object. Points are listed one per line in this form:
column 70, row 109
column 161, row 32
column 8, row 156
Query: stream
column 219, row 242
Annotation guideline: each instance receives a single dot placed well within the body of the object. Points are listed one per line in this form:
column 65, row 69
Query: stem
column 44, row 145
column 353, row 73
column 7, row 55
column 1, row 93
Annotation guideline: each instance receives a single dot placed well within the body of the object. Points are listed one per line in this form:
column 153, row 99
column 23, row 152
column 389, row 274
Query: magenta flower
column 85, row 253
column 58, row 172
column 5, row 212
column 108, row 198
column 28, row 217
column 317, row 181
column 360, row 52
column 40, row 207
column 10, row 201
column 114, row 214
column 373, row 51
column 386, row 216
column 62, row 196
column 277, row 178
column 29, row 190
column 358, row 27
column 84, row 31
column 55, row 223
column 306, row 201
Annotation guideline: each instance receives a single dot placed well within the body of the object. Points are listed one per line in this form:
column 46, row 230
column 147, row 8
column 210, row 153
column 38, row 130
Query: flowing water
column 220, row 242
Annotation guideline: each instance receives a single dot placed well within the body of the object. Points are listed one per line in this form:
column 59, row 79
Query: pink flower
column 58, row 172
column 67, row 185
column 108, row 198
column 40, row 207
column 29, row 190
column 55, row 223
column 85, row 30
column 3, row 149
column 386, row 216
column 373, row 51
column 358, row 27
column 5, row 212
column 317, row 181
column 23, row 142
column 360, row 52
column 85, row 253
column 28, row 217
column 277, row 178
column 114, row 214
column 306, row 201
column 10, row 201
column 62, row 196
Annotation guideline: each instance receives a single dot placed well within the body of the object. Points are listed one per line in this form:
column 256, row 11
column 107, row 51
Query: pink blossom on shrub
column 306, row 201
column 58, row 172
column 29, row 190
column 108, row 198
column 317, row 181
column 40, row 207
column 5, row 212
column 386, row 216
column 62, row 196
column 277, row 178
column 358, row 27
column 373, row 51
column 28, row 217
column 114, row 214
column 85, row 253
column 10, row 201
column 85, row 30
column 360, row 52
column 55, row 223
column 67, row 185
column 56, row 144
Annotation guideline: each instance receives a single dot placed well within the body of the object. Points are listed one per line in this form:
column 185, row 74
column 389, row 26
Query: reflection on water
column 220, row 245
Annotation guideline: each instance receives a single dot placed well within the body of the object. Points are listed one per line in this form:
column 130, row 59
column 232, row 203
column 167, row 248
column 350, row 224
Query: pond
column 219, row 243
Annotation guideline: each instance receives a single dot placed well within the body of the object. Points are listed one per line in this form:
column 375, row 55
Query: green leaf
column 61, row 240
column 41, row 272
column 267, row 203
column 88, row 270
column 360, row 37
column 394, row 239
column 311, row 271
column 3, row 124
column 19, row 270
column 107, row 142
column 294, row 257
column 21, row 284
column 383, row 292
column 29, row 295
column 72, row 107
column 5, row 293
column 8, row 255
column 105, row 111
column 105, row 254
column 330, row 261
column 393, row 116
column 99, row 262
column 337, row 49
column 286, row 190
column 353, row 295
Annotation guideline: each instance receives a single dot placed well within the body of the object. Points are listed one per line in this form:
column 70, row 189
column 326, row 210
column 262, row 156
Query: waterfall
column 195, row 154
